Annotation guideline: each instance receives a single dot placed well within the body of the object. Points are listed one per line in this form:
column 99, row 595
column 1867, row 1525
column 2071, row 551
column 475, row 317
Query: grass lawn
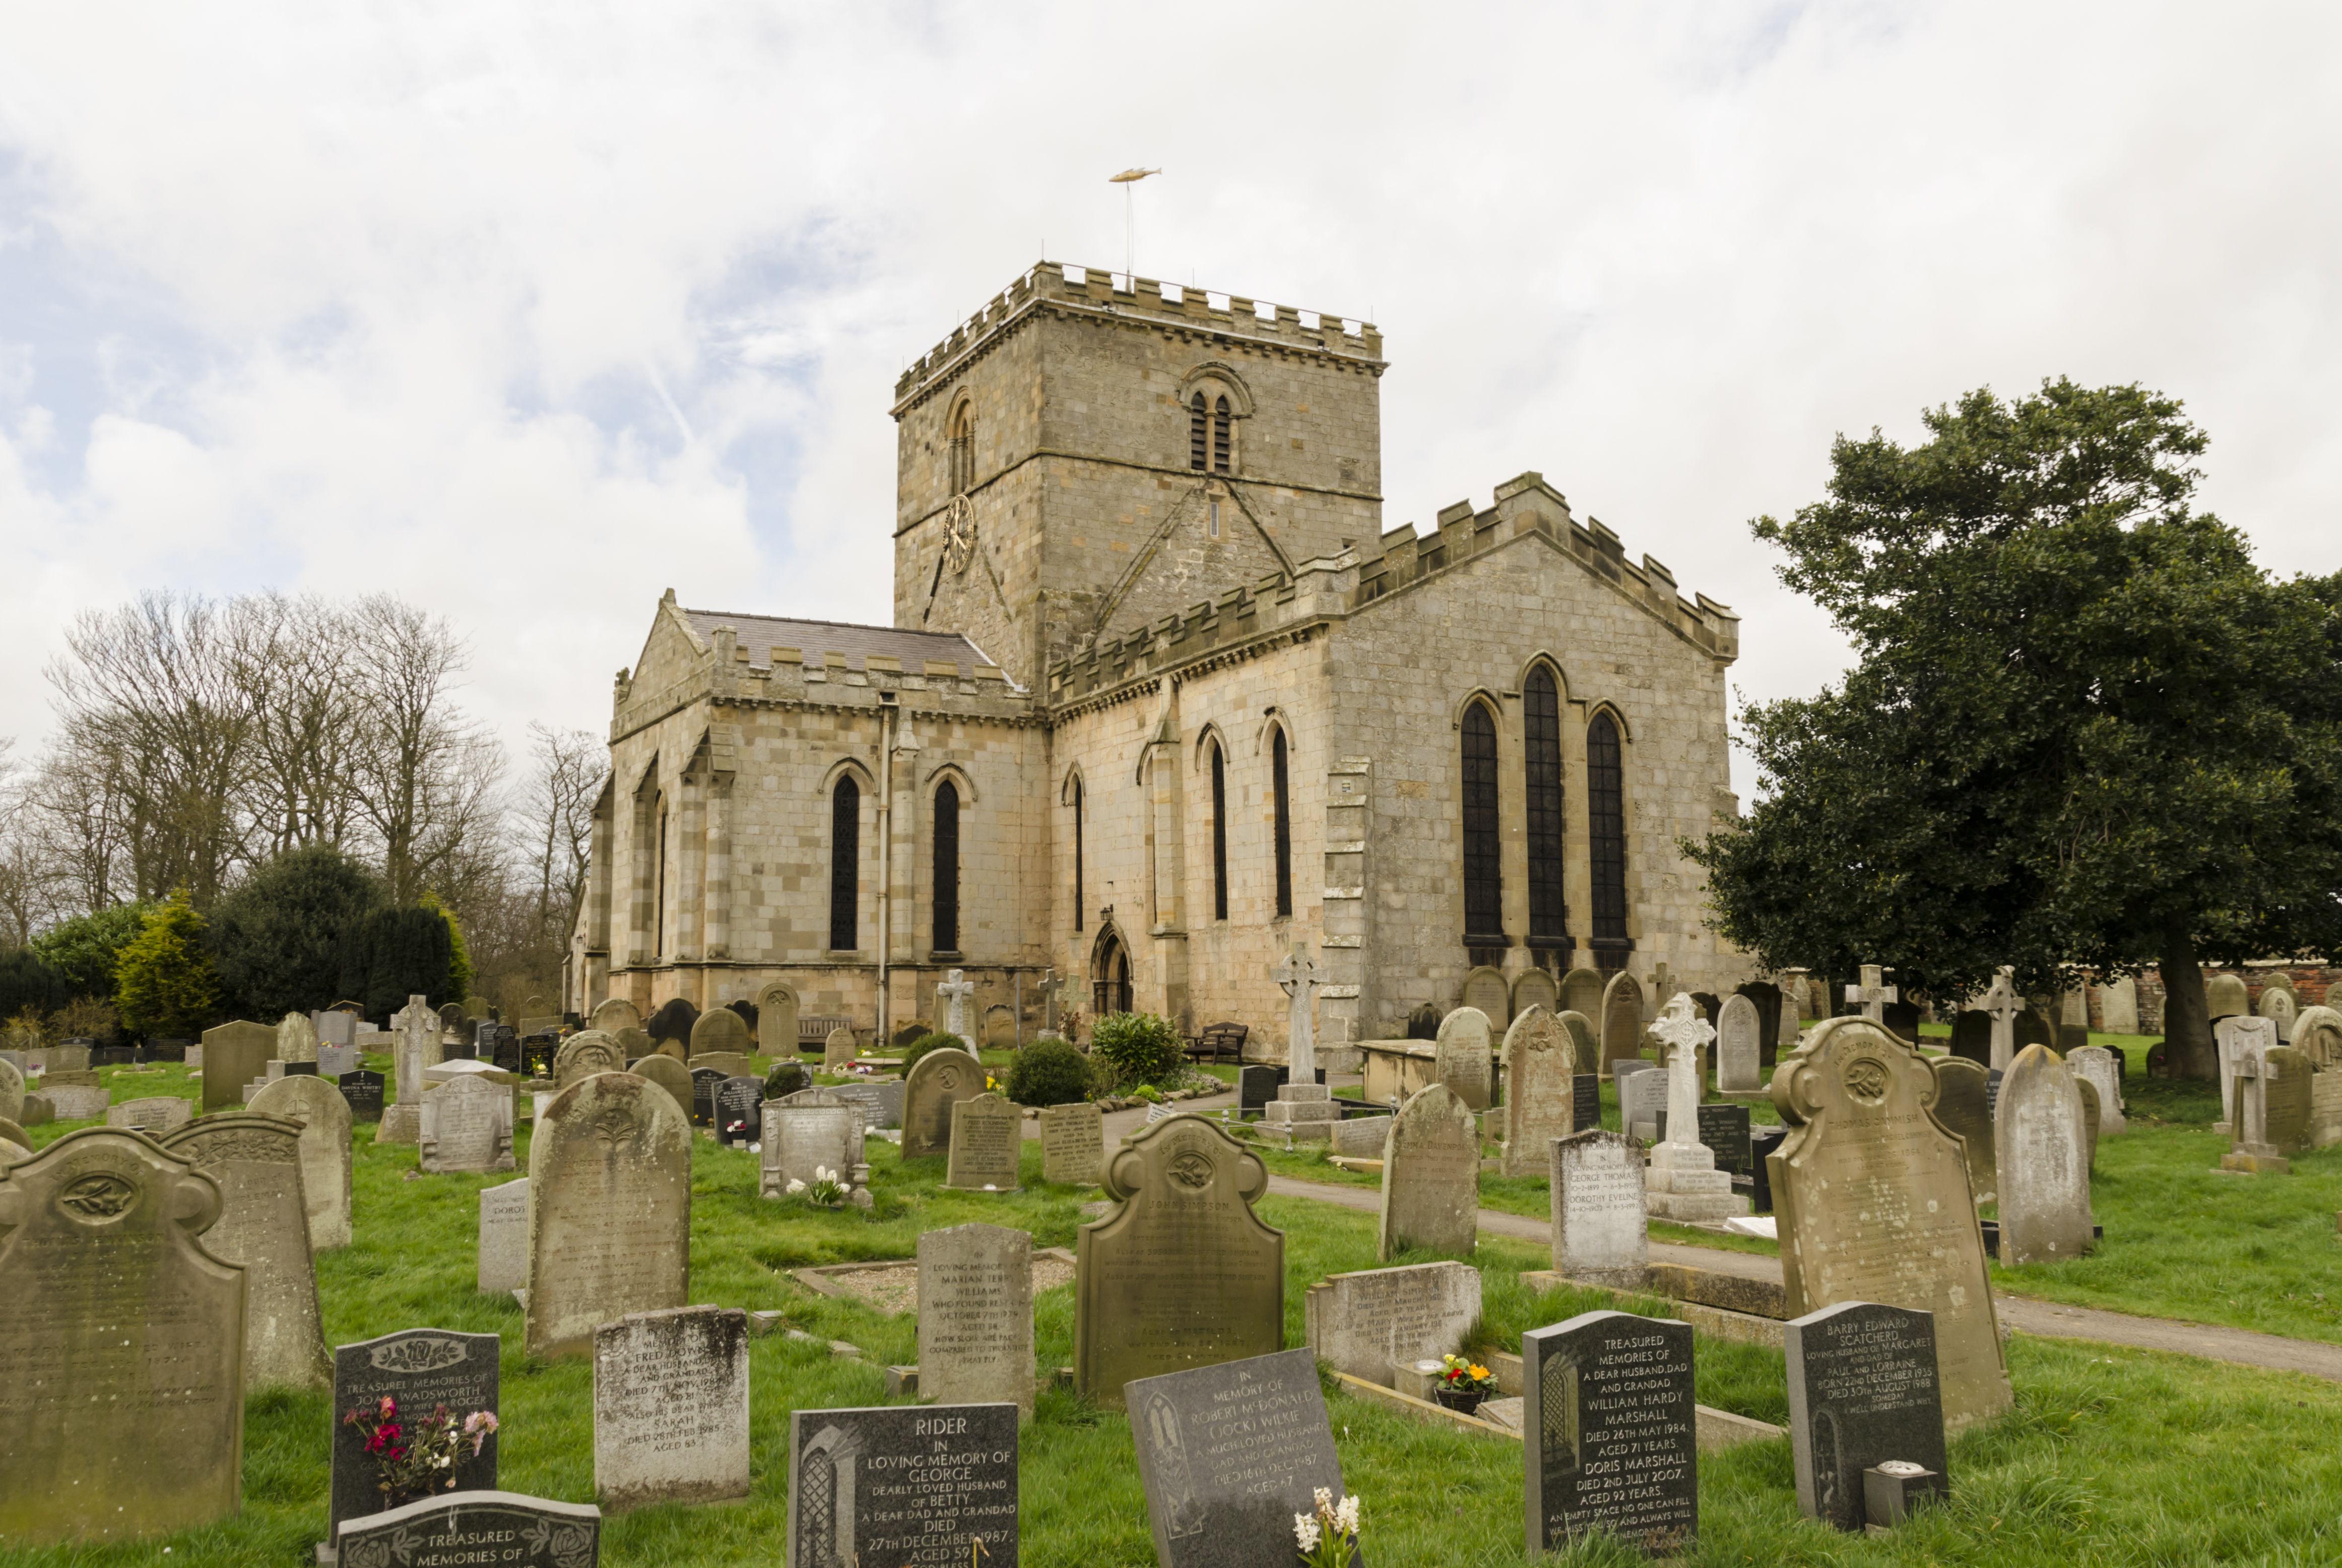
column 2113, row 1456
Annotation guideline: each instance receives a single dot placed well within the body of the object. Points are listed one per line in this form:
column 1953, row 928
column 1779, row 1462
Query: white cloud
column 339, row 298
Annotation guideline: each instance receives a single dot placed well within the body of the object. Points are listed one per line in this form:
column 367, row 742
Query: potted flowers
column 1328, row 1538
column 414, row 1458
column 1462, row 1384
column 827, row 1191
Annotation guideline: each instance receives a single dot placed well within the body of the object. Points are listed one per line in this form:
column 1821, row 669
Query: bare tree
column 79, row 827
column 569, row 766
column 295, row 656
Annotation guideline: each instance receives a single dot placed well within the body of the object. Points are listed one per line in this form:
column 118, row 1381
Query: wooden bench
column 1218, row 1038
column 813, row 1033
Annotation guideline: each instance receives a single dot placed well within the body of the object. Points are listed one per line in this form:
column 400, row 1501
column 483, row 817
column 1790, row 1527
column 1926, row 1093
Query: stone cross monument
column 2004, row 1003
column 2251, row 1152
column 959, row 995
column 1298, row 978
column 1873, row 994
column 414, row 1046
column 1683, row 1182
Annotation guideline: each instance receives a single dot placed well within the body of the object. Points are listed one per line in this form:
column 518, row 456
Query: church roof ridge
column 852, row 641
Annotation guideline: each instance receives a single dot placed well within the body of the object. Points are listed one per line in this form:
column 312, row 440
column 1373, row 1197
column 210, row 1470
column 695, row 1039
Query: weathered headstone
column 938, row 1081
column 956, row 1004
column 840, row 1051
column 2118, row 1006
column 506, row 1528
column 1187, row 1275
column 1862, row 1391
column 1431, row 1176
column 1600, row 1219
column 1534, row 988
column 1228, row 1455
column 1298, row 977
column 503, row 1238
column 1581, row 993
column 986, row 1133
column 719, row 1029
column 296, row 1039
column 12, row 1091
column 1073, row 1144
column 1643, row 1102
column 609, row 1220
column 671, row 1407
column 2002, row 1007
column 670, row 1075
column 2246, row 1048
column 136, row 1429
column 1611, row 1432
column 335, row 1026
column 1683, row 1181
column 2278, row 1004
column 776, row 1019
column 265, row 1226
column 1486, row 992
column 233, row 1055
column 325, row 1176
column 467, row 1126
column 2288, row 1097
column 903, row 1486
column 1464, row 1061
column 1540, row 1066
column 363, row 1089
column 416, row 1048
column 1622, row 1019
column 1361, row 1323
column 584, row 1053
column 1964, row 1111
column 2317, row 1034
column 1739, row 1044
column 975, row 1316
column 810, row 1131
column 333, row 1060
column 158, row 1114
column 2096, row 1066
column 1972, row 1036
column 2225, row 997
column 1873, row 1203
column 420, row 1368
column 1767, row 999
column 617, row 1013
column 2234, row 1036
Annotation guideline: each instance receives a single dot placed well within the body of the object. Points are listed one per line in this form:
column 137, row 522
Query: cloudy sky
column 530, row 312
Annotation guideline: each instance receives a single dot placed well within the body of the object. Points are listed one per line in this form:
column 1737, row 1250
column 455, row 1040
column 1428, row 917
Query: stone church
column 1163, row 699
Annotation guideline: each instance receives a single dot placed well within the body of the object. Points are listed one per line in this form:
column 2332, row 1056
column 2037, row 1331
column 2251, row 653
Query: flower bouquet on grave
column 414, row 1460
column 1329, row 1538
column 1462, row 1384
column 827, row 1191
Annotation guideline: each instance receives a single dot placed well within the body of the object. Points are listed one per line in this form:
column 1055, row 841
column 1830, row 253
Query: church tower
column 1091, row 452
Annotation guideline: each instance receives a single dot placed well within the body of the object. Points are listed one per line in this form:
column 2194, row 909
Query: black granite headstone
column 112, row 1055
column 1762, row 1141
column 1902, row 1020
column 1768, row 998
column 461, row 1051
column 2033, row 1029
column 1972, row 1036
column 505, row 1528
column 363, row 1090
column 1228, row 1455
column 737, row 1117
column 300, row 1069
column 1586, row 1101
column 893, row 1485
column 419, row 1368
column 1862, row 1390
column 1256, row 1086
column 166, row 1048
column 702, row 1095
column 1724, row 1130
column 1607, row 1419
column 1992, row 1094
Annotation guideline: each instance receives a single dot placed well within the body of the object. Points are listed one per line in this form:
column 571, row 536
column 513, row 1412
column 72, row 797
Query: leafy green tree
column 165, row 985
column 459, row 962
column 392, row 955
column 86, row 950
column 277, row 938
column 30, row 984
column 2084, row 731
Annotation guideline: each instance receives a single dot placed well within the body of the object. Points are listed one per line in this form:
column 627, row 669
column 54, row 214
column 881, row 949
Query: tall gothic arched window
column 1077, row 854
column 845, row 864
column 1219, row 834
column 1606, row 802
column 946, row 831
column 1484, row 874
column 1280, row 778
column 1541, row 743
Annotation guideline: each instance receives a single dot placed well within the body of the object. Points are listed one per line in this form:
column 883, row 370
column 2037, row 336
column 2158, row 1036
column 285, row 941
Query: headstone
column 2002, row 1007
column 154, row 1115
column 703, row 1081
column 2225, row 997
column 451, row 1016
column 503, row 1238
column 1609, row 1425
column 296, row 1039
column 736, row 1116
column 1228, row 1454
column 2089, row 1093
column 776, row 1019
column 2288, row 1096
column 1642, row 1102
column 145, row 1436
column 36, row 1111
column 586, row 1053
column 938, row 1080
column 1723, row 1131
column 1540, row 1068
column 1738, row 1047
column 1486, row 992
column 1464, row 1061
column 364, row 1090
column 1586, row 1102
column 1972, row 1036
column 2317, row 1034
column 903, row 1486
column 1600, row 1221
column 1963, row 1105
column 609, row 1220
column 2279, row 1005
column 506, row 1528
column 416, row 1048
column 1361, row 1323
column 263, row 1225
column 999, row 1029
column 1622, row 1020
column 2096, row 1065
column 1862, row 1391
column 334, row 1027
column 1298, row 977
column 809, row 1131
column 333, row 1060
column 1256, row 1086
column 2233, row 1036
column 1073, row 1144
column 881, row 1103
column 2246, row 1048
column 1902, row 1020
column 1873, row 995
column 421, row 1369
column 325, row 1161
column 12, row 1090
column 1431, row 1176
column 840, row 1051
column 671, row 1407
column 720, row 1029
column 2118, row 1006
column 1185, row 1277
column 1762, row 1142
column 618, row 1013
column 1533, row 988
column 69, row 1058
column 467, row 1126
column 670, row 1075
column 986, row 1133
column 1767, row 999
column 233, row 1055
column 1873, row 1203
column 956, row 1004
column 975, row 1316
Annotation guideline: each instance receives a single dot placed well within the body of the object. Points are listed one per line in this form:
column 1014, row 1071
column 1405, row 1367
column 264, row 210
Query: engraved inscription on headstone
column 326, row 1161
column 671, row 1407
column 1073, row 1144
column 1360, row 1323
column 1228, row 1455
column 988, row 1133
column 736, row 1103
column 504, row 1237
column 609, row 1216
column 903, row 1486
column 1600, row 1221
column 1862, row 1390
column 420, row 1368
column 975, row 1316
column 1610, row 1432
column 467, row 1125
column 506, row 1528
column 1540, row 1068
column 938, row 1081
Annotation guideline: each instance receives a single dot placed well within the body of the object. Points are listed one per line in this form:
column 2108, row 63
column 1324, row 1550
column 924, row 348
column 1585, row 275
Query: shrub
column 936, row 1041
column 788, row 1079
column 747, row 1011
column 1048, row 1073
column 673, row 1022
column 277, row 938
column 86, row 1018
column 460, row 971
column 1141, row 1045
column 916, row 1029
column 164, row 984
column 30, row 984
column 86, row 949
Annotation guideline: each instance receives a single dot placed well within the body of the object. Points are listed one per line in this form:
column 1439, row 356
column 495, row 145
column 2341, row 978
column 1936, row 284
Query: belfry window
column 963, row 450
column 1220, row 436
column 1199, row 433
column 1483, row 896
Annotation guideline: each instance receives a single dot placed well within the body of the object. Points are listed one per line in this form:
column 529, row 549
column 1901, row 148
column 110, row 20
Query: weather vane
column 1126, row 179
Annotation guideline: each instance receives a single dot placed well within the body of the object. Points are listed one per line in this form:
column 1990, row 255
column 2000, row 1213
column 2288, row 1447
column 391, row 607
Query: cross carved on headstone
column 1873, row 994
column 2003, row 1004
column 1298, row 977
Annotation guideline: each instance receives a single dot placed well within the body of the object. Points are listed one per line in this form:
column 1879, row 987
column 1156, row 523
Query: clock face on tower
column 959, row 533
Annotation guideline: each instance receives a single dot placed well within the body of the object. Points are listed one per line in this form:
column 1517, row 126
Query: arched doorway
column 1109, row 974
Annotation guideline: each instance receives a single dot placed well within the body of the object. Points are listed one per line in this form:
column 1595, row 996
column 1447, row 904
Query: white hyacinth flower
column 796, row 1185
column 1325, row 1498
column 1305, row 1529
column 1345, row 1517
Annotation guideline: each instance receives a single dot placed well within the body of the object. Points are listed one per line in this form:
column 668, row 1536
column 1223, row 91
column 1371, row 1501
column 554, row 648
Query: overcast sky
column 530, row 312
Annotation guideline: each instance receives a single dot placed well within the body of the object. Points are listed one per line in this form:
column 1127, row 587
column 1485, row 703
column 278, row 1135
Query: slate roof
column 760, row 634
